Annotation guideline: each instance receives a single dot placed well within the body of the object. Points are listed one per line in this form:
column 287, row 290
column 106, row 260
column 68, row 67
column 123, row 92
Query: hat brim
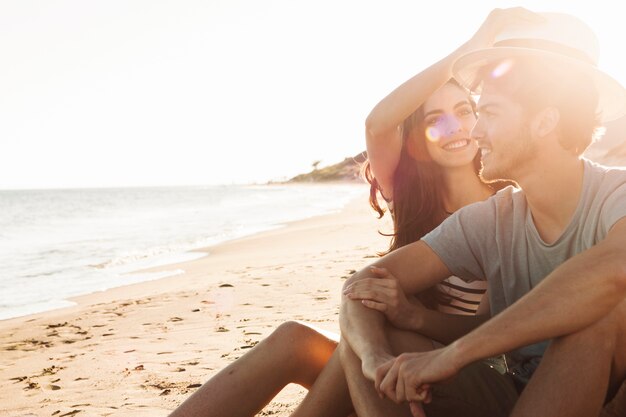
column 612, row 96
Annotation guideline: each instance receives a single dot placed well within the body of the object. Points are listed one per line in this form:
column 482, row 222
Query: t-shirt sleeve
column 614, row 209
column 458, row 240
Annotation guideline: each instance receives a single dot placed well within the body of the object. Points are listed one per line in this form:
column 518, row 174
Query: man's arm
column 416, row 267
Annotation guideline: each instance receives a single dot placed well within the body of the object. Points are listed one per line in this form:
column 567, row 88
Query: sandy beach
column 141, row 349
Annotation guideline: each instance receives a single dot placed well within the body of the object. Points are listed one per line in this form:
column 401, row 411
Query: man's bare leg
column 577, row 370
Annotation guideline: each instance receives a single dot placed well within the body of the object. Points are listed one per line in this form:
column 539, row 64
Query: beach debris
column 31, row 385
column 175, row 319
column 50, row 371
column 195, row 310
column 71, row 413
column 222, row 329
column 80, row 378
column 165, row 392
column 180, row 369
column 37, row 343
column 139, row 368
column 54, row 326
column 194, row 386
column 54, row 387
column 226, row 286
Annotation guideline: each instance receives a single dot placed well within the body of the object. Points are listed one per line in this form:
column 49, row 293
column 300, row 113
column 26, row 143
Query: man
column 553, row 252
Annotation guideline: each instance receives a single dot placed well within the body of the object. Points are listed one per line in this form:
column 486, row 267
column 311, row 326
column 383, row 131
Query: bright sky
column 186, row 92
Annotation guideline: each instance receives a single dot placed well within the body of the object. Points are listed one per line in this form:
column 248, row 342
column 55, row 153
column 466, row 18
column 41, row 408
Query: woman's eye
column 433, row 121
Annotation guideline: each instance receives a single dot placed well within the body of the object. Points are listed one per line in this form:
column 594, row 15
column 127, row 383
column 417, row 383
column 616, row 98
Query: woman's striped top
column 464, row 296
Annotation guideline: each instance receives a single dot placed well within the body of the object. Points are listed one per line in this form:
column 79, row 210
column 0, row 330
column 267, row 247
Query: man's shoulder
column 500, row 206
column 509, row 198
column 605, row 171
column 605, row 180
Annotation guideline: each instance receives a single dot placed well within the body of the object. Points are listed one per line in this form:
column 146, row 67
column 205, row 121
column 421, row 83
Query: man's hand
column 409, row 376
column 383, row 293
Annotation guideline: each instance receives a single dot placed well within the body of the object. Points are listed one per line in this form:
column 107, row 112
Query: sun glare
column 432, row 134
column 502, row 68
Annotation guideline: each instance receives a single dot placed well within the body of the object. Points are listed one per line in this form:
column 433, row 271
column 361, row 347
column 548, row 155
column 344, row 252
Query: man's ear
column 546, row 121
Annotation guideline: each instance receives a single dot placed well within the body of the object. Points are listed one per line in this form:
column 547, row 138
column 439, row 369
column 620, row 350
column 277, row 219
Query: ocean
column 57, row 244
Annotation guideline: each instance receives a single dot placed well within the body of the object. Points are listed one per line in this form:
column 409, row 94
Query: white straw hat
column 561, row 37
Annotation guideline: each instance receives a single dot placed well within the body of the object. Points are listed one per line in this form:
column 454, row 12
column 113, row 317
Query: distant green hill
column 347, row 170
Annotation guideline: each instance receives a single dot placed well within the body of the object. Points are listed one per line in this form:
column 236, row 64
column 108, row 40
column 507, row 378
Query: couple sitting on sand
column 417, row 335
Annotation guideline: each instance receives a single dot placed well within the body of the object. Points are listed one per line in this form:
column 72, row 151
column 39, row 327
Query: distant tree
column 315, row 164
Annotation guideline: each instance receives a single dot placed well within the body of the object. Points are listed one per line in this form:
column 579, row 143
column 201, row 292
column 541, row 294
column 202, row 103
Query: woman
column 433, row 174
column 423, row 162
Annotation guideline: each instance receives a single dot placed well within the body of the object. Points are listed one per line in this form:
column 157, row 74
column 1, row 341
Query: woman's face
column 448, row 120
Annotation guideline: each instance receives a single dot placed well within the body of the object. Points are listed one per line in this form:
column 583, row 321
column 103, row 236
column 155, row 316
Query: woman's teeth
column 456, row 144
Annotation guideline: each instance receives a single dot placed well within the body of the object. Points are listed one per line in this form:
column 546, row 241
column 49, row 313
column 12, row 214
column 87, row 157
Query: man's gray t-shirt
column 497, row 240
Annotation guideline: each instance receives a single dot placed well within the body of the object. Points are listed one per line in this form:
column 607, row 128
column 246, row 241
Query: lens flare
column 502, row 68
column 432, row 134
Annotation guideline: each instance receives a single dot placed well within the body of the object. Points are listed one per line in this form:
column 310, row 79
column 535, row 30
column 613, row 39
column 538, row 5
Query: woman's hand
column 383, row 293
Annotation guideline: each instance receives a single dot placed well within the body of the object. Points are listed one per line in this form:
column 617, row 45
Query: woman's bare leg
column 294, row 352
column 329, row 395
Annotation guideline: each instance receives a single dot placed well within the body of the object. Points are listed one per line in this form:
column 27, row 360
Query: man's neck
column 553, row 191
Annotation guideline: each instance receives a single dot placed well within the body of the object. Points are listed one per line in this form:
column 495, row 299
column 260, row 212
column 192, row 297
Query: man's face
column 503, row 136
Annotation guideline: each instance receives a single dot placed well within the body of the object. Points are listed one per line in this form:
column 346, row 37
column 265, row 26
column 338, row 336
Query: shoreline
column 144, row 347
column 157, row 267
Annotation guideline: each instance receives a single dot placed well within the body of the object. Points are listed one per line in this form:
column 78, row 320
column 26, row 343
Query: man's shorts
column 478, row 390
